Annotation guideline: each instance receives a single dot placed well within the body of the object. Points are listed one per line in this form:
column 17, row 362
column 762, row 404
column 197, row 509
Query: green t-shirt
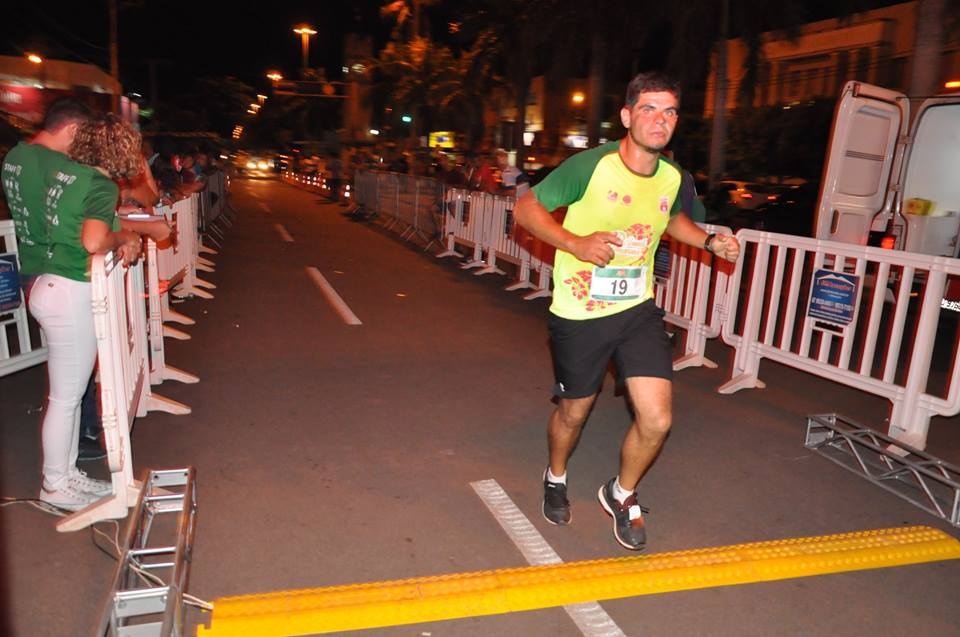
column 49, row 196
column 603, row 194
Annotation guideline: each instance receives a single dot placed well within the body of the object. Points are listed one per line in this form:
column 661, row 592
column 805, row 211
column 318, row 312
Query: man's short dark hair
column 63, row 111
column 651, row 82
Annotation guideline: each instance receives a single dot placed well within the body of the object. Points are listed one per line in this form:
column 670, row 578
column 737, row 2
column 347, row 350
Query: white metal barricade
column 453, row 225
column 484, row 224
column 200, row 264
column 407, row 204
column 492, row 223
column 120, row 321
column 693, row 297
column 178, row 263
column 474, row 219
column 29, row 351
column 388, row 198
column 860, row 316
column 365, row 184
column 212, row 215
column 159, row 370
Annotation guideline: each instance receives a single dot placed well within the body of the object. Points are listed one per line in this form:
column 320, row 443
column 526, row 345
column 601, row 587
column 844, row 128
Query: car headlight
column 262, row 165
column 251, row 165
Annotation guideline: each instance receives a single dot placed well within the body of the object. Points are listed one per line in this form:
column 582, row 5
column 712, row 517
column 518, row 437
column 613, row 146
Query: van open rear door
column 868, row 125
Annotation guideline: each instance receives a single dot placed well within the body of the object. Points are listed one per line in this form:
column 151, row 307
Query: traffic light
column 406, row 119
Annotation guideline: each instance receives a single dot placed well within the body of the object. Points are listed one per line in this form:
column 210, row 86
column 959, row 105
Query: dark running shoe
column 90, row 449
column 556, row 507
column 628, row 526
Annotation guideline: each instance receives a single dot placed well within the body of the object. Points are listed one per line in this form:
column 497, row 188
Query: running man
column 621, row 197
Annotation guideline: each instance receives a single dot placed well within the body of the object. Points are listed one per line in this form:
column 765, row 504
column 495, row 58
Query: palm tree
column 608, row 32
column 508, row 40
column 463, row 96
column 406, row 13
column 413, row 78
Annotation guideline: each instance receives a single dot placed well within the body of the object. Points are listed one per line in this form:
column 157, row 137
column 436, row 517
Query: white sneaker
column 99, row 488
column 68, row 497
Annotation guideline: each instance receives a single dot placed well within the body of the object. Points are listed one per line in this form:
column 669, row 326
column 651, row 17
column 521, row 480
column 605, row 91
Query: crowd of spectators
column 155, row 172
column 486, row 171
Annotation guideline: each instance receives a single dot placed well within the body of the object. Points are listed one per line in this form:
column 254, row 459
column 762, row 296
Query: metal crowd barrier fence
column 120, row 321
column 318, row 182
column 706, row 302
column 200, row 264
column 691, row 288
column 365, row 192
column 410, row 203
column 178, row 263
column 213, row 215
column 14, row 317
column 484, row 224
column 159, row 370
column 864, row 317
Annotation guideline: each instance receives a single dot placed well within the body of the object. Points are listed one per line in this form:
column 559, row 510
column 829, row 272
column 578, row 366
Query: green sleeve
column 699, row 213
column 689, row 201
column 101, row 200
column 567, row 183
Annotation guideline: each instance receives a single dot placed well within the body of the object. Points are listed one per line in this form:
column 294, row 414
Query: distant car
column 256, row 166
column 792, row 212
column 749, row 194
column 718, row 202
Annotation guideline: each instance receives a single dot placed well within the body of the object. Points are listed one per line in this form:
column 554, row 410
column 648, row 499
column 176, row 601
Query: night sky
column 188, row 39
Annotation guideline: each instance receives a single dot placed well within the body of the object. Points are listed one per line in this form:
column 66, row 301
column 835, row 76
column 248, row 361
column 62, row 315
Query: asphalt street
column 332, row 453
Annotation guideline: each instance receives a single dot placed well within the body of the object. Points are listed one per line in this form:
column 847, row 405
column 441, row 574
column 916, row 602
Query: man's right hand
column 596, row 248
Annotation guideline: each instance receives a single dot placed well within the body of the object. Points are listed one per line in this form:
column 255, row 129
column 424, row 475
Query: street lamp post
column 33, row 58
column 305, row 32
column 274, row 77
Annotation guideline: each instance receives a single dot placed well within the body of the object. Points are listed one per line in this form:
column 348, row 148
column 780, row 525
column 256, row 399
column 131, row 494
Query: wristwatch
column 706, row 242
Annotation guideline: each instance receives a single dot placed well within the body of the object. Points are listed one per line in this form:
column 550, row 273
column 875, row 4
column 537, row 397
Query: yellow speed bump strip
column 427, row 599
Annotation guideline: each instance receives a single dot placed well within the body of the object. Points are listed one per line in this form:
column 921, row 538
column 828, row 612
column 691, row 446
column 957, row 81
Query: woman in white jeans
column 62, row 307
column 64, row 212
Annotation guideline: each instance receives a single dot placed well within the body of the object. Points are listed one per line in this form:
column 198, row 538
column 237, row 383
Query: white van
column 892, row 176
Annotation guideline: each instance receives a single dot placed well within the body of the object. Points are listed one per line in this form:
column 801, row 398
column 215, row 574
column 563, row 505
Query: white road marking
column 265, row 207
column 283, row 232
column 333, row 298
column 589, row 617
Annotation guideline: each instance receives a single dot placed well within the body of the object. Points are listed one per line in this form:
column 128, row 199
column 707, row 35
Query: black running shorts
column 634, row 338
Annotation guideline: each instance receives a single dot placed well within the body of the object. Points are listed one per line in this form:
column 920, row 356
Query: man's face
column 651, row 121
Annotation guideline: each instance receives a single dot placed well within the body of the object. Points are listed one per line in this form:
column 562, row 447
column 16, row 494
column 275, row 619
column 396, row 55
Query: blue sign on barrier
column 9, row 283
column 834, row 297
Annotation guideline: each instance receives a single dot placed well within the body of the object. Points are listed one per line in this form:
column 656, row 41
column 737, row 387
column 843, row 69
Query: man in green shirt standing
column 621, row 198
column 63, row 212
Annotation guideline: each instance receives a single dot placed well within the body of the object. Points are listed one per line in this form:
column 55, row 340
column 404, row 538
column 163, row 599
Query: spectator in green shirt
column 63, row 212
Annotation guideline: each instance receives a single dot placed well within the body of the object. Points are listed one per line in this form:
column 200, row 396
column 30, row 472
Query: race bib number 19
column 618, row 283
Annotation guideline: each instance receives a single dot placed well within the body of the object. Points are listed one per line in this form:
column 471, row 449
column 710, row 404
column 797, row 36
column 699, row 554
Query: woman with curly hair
column 109, row 144
column 64, row 212
column 113, row 147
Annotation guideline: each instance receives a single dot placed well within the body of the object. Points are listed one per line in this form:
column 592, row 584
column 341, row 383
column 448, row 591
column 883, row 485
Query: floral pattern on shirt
column 580, row 288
